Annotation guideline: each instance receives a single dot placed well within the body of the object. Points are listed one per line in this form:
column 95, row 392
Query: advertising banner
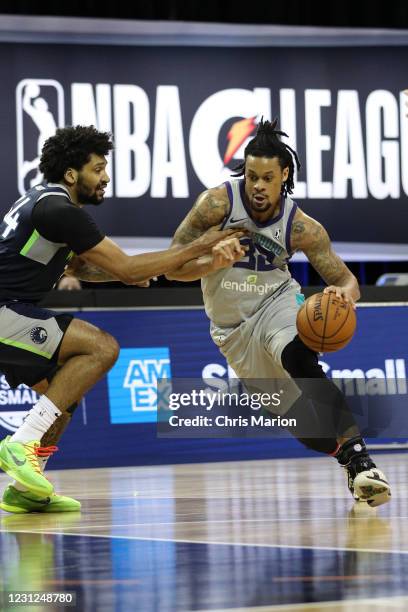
column 181, row 117
column 116, row 424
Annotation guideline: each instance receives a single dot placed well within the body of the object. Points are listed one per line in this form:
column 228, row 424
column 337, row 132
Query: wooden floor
column 256, row 535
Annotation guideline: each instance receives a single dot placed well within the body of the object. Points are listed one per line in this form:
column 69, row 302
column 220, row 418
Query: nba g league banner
column 181, row 117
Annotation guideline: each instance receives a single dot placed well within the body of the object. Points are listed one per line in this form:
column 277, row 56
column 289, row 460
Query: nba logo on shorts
column 40, row 111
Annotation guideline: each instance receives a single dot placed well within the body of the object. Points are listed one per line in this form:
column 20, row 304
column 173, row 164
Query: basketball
column 326, row 323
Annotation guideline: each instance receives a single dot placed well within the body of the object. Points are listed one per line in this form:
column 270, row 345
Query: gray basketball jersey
column 234, row 294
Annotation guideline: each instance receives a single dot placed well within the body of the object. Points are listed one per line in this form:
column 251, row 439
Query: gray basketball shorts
column 254, row 348
column 30, row 338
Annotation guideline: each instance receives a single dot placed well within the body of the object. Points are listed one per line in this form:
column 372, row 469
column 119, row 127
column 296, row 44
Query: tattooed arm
column 309, row 236
column 207, row 214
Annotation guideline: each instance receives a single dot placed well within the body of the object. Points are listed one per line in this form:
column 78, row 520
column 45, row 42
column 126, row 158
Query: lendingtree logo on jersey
column 250, row 285
column 21, row 400
column 132, row 384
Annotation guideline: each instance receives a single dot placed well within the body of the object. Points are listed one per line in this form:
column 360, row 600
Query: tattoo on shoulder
column 211, row 210
column 208, row 211
column 298, row 227
column 306, row 232
column 297, row 234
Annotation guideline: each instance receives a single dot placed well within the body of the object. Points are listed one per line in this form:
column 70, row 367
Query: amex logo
column 132, row 384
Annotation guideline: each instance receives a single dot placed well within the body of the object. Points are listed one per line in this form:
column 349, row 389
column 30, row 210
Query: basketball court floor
column 255, row 535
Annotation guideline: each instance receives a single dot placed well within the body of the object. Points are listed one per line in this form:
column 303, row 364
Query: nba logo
column 40, row 111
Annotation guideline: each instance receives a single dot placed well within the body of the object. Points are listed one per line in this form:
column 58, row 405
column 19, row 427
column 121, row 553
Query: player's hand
column 144, row 283
column 213, row 236
column 342, row 293
column 69, row 283
column 227, row 252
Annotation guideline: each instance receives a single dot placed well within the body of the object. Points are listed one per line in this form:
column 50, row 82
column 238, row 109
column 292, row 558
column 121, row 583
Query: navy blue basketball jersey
column 30, row 264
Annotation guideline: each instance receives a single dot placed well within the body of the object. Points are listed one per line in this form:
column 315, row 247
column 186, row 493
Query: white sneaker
column 372, row 487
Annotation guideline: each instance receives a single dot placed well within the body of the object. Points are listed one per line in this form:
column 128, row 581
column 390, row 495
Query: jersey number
column 257, row 258
column 11, row 218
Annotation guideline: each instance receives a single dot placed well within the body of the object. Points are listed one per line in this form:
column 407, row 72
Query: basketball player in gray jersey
column 252, row 302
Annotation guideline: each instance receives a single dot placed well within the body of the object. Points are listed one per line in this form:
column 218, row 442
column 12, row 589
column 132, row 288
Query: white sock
column 43, row 462
column 37, row 422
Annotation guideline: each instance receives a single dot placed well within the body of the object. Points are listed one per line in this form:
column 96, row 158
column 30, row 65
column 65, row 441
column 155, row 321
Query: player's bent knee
column 108, row 349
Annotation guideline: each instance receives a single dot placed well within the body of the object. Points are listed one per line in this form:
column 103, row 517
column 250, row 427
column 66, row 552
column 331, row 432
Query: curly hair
column 267, row 143
column 71, row 147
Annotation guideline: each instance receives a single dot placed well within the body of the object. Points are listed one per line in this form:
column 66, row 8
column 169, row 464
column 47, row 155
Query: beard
column 87, row 195
column 260, row 207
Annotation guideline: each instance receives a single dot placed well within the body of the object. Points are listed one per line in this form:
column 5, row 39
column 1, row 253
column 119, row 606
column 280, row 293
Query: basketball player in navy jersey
column 252, row 304
column 58, row 356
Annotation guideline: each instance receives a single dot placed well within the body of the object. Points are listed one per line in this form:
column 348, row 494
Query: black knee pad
column 300, row 361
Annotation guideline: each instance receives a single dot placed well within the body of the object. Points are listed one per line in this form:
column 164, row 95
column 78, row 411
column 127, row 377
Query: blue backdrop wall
column 116, row 423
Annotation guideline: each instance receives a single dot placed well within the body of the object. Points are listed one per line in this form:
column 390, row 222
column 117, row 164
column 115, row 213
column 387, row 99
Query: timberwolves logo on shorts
column 40, row 110
column 38, row 335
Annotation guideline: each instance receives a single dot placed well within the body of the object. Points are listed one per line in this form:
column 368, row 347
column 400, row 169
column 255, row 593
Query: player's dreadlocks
column 267, row 143
column 71, row 147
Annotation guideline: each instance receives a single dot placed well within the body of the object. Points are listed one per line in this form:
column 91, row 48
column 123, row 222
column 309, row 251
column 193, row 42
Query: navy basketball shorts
column 30, row 339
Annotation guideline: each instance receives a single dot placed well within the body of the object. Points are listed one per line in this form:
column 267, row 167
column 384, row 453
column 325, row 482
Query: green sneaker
column 20, row 502
column 20, row 461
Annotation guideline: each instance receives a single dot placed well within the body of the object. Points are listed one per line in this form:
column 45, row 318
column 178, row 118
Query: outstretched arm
column 309, row 236
column 80, row 269
column 208, row 212
column 110, row 258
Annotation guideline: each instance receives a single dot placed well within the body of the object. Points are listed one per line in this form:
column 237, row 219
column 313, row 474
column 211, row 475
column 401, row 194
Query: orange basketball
column 326, row 323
